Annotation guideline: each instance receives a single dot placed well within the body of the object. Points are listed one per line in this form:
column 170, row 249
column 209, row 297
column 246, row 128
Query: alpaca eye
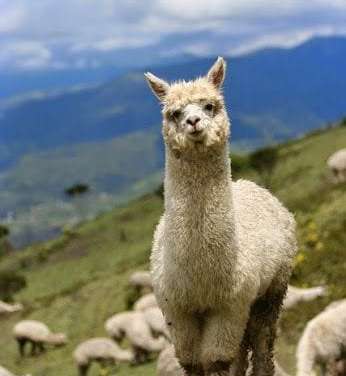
column 176, row 114
column 209, row 107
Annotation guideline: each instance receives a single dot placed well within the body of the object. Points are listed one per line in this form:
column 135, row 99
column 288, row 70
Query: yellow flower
column 319, row 246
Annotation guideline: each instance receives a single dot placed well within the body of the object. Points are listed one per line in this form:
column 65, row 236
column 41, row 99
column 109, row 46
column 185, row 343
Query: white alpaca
column 323, row 340
column 5, row 372
column 220, row 246
column 154, row 318
column 296, row 295
column 141, row 281
column 134, row 327
column 38, row 334
column 102, row 350
column 337, row 164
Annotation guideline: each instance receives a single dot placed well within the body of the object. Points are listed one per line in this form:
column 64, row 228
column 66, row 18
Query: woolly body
column 141, row 280
column 10, row 308
column 99, row 350
column 337, row 164
column 220, row 245
column 296, row 295
column 145, row 302
column 323, row 339
column 154, row 318
column 134, row 327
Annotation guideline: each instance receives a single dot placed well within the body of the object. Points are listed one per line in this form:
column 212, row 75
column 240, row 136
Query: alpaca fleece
column 223, row 250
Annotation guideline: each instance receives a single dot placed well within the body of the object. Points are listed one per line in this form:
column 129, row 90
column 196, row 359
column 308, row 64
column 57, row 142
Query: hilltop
column 79, row 279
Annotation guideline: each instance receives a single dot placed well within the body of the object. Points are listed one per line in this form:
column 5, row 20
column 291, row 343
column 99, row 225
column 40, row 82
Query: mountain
column 272, row 95
column 77, row 281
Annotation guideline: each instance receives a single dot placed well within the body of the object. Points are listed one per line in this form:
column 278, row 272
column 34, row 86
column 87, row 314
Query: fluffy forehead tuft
column 182, row 93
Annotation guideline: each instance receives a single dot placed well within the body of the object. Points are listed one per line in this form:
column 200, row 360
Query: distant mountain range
column 273, row 94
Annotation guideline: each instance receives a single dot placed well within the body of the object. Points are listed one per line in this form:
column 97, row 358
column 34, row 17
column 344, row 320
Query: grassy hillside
column 78, row 280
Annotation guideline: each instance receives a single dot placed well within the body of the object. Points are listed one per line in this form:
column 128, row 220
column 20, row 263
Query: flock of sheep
column 147, row 333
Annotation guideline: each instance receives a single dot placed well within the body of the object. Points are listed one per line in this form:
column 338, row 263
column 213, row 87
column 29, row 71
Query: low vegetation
column 77, row 281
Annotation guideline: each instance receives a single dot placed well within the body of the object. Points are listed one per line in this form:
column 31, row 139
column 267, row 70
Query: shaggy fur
column 296, row 295
column 145, row 302
column 102, row 350
column 323, row 340
column 134, row 327
column 337, row 165
column 38, row 334
column 221, row 247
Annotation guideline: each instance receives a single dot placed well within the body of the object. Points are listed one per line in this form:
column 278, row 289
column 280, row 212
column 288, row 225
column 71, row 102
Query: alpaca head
column 194, row 114
column 58, row 339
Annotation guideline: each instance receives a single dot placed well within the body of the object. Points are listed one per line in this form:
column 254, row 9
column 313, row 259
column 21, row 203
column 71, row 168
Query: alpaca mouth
column 196, row 135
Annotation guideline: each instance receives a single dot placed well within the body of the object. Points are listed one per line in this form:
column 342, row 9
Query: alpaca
column 323, row 340
column 38, row 334
column 5, row 372
column 222, row 252
column 134, row 327
column 102, row 350
column 296, row 295
column 145, row 302
column 337, row 164
column 6, row 308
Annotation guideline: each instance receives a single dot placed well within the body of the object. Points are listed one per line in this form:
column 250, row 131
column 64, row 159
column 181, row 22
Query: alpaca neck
column 198, row 180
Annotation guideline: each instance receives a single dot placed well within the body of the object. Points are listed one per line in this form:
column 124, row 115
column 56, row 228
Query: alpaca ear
column 158, row 86
column 217, row 72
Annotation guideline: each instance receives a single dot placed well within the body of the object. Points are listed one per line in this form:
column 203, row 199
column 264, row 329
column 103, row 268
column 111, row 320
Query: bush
column 240, row 163
column 10, row 283
column 264, row 160
column 343, row 122
column 4, row 231
column 77, row 189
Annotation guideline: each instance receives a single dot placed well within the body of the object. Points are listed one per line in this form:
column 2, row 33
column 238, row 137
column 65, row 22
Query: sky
column 65, row 34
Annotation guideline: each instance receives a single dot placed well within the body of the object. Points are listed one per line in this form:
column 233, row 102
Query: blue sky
column 60, row 34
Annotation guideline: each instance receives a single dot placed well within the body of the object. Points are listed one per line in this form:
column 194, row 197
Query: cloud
column 74, row 33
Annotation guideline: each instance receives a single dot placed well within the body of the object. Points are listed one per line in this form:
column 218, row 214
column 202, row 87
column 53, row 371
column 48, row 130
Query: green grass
column 77, row 281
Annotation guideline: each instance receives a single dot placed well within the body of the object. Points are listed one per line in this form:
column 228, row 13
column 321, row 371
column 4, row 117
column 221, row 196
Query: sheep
column 6, row 308
column 102, row 350
column 337, row 165
column 5, row 372
column 296, row 295
column 154, row 318
column 223, row 251
column 38, row 334
column 133, row 326
column 145, row 302
column 323, row 339
column 141, row 281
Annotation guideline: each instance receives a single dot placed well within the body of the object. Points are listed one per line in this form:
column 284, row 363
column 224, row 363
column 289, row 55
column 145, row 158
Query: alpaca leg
column 222, row 337
column 185, row 331
column 33, row 348
column 83, row 369
column 21, row 346
column 264, row 316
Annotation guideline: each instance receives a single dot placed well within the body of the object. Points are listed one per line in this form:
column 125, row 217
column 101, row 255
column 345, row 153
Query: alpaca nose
column 193, row 120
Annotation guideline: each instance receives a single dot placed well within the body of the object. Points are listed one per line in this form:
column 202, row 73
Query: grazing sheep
column 323, row 339
column 337, row 164
column 133, row 326
column 145, row 302
column 221, row 247
column 38, row 334
column 296, row 295
column 154, row 318
column 6, row 308
column 102, row 350
column 141, row 281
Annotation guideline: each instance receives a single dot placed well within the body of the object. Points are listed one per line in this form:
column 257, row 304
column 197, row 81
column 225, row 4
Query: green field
column 78, row 280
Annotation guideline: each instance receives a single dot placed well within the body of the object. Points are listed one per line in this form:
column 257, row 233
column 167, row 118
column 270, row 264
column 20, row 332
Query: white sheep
column 102, row 350
column 6, row 308
column 337, row 165
column 134, row 327
column 141, row 281
column 154, row 318
column 38, row 334
column 296, row 295
column 221, row 247
column 323, row 339
column 145, row 302
column 5, row 372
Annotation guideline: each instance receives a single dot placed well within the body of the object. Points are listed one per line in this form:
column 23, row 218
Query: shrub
column 264, row 160
column 4, row 231
column 240, row 163
column 10, row 283
column 77, row 189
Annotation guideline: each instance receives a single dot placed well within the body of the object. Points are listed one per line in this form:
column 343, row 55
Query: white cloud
column 65, row 31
